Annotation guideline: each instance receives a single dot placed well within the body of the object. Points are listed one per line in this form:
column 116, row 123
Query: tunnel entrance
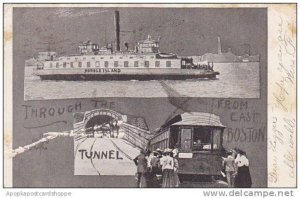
column 103, row 126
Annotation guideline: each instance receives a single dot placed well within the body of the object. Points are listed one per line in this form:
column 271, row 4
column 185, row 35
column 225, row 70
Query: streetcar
column 198, row 137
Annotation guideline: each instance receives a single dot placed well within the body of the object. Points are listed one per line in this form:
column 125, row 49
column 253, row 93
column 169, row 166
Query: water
column 236, row 80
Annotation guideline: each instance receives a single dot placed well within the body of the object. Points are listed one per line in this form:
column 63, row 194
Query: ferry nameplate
column 102, row 70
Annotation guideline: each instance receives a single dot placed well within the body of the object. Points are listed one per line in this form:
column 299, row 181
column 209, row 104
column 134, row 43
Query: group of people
column 160, row 169
column 236, row 169
column 157, row 168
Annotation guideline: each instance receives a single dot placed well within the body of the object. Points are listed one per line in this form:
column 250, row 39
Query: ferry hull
column 121, row 74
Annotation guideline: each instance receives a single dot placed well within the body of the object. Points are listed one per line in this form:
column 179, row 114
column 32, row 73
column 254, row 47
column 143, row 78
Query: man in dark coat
column 141, row 163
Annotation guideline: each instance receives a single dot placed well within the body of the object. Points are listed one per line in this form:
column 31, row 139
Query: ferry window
column 105, row 63
column 146, row 63
column 97, row 64
column 88, row 64
column 202, row 138
column 125, row 63
column 64, row 64
column 57, row 64
column 186, row 139
column 71, row 64
column 157, row 63
column 168, row 63
column 116, row 63
column 136, row 63
column 79, row 64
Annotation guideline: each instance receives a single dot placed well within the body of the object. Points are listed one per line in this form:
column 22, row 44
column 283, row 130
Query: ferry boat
column 144, row 62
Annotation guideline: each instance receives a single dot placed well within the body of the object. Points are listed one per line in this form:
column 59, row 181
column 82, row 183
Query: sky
column 184, row 31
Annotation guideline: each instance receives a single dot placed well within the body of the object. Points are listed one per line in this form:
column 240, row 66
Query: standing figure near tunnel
column 114, row 128
column 230, row 168
column 141, row 163
column 169, row 180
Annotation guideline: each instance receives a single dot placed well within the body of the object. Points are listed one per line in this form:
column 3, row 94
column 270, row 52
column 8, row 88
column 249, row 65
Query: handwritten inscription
column 281, row 143
column 286, row 67
column 289, row 126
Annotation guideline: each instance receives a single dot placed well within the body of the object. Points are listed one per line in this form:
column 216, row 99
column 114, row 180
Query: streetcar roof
column 199, row 119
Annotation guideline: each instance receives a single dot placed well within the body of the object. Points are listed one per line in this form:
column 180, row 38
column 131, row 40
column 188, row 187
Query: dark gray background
column 183, row 31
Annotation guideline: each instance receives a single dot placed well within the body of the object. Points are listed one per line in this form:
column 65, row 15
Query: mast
column 117, row 29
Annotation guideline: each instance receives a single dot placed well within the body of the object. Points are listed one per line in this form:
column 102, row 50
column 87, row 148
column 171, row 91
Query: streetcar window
column 185, row 136
column 174, row 139
column 202, row 139
column 205, row 139
column 216, row 139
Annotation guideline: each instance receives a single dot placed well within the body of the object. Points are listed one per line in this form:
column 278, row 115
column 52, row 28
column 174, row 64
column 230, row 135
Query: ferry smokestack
column 117, row 26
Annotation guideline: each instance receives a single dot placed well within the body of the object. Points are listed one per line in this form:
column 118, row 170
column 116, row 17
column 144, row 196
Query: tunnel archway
column 103, row 123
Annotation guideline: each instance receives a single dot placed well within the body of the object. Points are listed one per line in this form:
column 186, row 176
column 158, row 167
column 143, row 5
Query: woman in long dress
column 243, row 178
column 176, row 177
column 169, row 180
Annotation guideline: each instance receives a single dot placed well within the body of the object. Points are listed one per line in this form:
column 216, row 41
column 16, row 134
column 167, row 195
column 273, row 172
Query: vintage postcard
column 150, row 95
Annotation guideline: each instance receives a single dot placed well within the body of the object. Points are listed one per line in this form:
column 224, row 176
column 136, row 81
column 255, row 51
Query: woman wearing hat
column 168, row 165
column 243, row 178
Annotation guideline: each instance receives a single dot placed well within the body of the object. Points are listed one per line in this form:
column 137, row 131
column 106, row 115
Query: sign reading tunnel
column 106, row 142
